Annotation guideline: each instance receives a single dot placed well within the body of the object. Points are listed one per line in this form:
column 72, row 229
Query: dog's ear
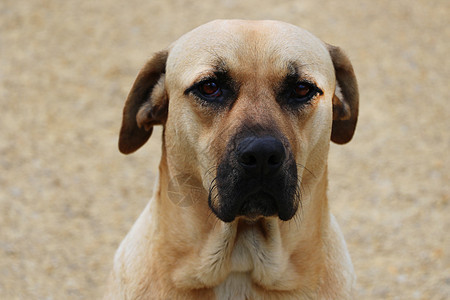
column 345, row 99
column 146, row 105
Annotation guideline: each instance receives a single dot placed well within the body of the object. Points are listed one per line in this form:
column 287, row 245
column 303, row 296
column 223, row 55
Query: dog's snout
column 256, row 177
column 262, row 156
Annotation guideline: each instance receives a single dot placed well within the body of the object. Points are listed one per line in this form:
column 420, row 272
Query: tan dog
column 240, row 209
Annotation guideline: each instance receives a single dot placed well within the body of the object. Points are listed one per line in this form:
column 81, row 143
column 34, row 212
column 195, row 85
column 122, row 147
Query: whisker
column 212, row 186
column 215, row 220
column 305, row 168
column 298, row 195
column 210, row 170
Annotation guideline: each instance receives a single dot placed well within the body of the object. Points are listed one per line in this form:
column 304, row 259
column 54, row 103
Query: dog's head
column 248, row 109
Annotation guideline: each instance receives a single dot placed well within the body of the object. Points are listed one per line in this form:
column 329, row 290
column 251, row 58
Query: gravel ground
column 68, row 197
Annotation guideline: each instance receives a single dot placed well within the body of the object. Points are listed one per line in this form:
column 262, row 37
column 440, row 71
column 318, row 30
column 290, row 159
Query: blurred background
column 68, row 197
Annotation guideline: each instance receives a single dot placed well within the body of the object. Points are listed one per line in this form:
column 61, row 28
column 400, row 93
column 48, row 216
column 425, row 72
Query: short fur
column 182, row 250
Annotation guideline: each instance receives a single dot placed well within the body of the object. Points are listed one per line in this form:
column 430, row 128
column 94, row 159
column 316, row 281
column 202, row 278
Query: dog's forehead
column 252, row 45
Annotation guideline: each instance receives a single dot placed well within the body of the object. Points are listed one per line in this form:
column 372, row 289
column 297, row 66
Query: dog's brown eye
column 213, row 90
column 210, row 89
column 302, row 90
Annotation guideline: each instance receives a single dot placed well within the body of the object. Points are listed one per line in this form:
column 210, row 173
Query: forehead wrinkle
column 296, row 68
column 209, row 70
column 195, row 71
column 300, row 71
column 218, row 62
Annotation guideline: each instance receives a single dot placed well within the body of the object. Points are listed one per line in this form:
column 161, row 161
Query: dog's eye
column 303, row 92
column 215, row 90
column 210, row 89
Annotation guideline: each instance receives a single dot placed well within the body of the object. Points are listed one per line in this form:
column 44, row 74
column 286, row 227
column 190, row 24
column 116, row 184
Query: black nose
column 261, row 155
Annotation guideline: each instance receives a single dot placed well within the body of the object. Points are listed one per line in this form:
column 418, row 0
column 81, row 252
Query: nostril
column 274, row 159
column 248, row 159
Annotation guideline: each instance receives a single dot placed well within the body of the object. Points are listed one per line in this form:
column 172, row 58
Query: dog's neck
column 275, row 255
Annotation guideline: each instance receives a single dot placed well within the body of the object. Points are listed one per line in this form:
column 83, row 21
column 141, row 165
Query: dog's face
column 248, row 109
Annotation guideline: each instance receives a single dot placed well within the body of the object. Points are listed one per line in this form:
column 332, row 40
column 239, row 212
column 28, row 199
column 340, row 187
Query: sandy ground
column 68, row 197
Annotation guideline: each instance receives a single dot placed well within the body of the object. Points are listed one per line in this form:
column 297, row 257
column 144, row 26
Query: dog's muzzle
column 257, row 177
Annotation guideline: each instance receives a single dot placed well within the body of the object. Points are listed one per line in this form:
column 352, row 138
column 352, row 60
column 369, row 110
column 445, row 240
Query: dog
column 240, row 207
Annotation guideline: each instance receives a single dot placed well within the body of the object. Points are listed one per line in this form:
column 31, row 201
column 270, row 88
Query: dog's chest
column 238, row 286
column 249, row 258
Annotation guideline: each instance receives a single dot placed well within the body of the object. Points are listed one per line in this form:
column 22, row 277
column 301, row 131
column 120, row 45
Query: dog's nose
column 261, row 155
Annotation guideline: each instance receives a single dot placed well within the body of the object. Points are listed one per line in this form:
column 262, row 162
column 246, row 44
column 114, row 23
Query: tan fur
column 176, row 251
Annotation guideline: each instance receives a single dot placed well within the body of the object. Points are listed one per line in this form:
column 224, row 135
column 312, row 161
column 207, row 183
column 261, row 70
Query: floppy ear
column 345, row 99
column 146, row 105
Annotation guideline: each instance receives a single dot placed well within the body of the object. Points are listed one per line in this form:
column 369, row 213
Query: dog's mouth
column 257, row 178
column 258, row 204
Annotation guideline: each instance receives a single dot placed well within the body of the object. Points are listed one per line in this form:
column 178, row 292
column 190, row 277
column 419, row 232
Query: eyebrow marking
column 296, row 74
column 294, row 68
column 214, row 70
column 219, row 64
